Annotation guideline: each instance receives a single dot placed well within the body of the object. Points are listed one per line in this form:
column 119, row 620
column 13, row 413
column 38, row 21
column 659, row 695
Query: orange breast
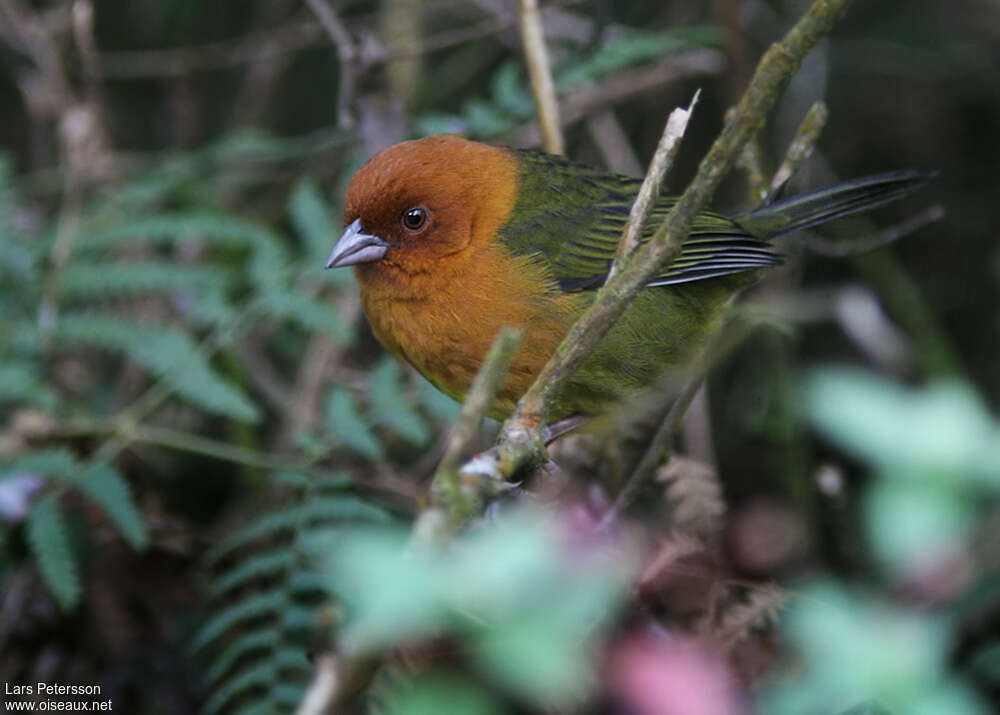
column 446, row 329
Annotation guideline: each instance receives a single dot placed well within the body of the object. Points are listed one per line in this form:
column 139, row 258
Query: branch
column 663, row 159
column 802, row 145
column 346, row 55
column 542, row 87
column 459, row 499
column 521, row 443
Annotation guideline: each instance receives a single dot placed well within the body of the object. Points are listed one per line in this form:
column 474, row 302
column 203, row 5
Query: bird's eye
column 415, row 219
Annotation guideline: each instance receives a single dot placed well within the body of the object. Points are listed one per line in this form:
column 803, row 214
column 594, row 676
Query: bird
column 452, row 239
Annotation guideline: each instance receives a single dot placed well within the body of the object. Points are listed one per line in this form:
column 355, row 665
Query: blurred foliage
column 208, row 466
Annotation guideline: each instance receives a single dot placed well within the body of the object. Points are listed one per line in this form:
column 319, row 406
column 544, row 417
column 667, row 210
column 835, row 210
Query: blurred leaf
column 436, row 402
column 21, row 383
column 856, row 648
column 942, row 430
column 632, row 48
column 49, row 542
column 258, row 605
column 58, row 463
column 439, row 694
column 527, row 608
column 167, row 353
column 346, row 425
column 108, row 489
column 314, row 222
column 95, row 279
column 310, row 313
column 391, row 408
column 985, row 664
column 510, row 92
column 539, row 656
column 909, row 524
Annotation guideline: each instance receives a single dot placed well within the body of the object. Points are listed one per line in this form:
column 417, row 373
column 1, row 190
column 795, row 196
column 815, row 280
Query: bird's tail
column 815, row 207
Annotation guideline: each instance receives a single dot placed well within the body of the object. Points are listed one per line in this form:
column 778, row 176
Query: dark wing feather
column 572, row 216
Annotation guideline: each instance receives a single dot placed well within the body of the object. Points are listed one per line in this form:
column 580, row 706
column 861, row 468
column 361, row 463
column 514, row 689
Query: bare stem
column 542, row 87
column 346, row 55
column 802, row 145
column 663, row 159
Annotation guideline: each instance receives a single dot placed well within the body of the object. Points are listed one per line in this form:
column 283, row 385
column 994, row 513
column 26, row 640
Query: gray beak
column 356, row 247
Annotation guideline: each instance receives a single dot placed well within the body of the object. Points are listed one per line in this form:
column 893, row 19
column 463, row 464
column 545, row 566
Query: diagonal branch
column 521, row 443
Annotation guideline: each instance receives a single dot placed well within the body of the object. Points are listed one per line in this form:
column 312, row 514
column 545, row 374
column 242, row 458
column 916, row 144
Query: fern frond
column 58, row 463
column 308, row 313
column 391, row 409
column 345, row 424
column 313, row 221
column 299, row 619
column 268, row 263
column 20, row 383
column 264, row 639
column 99, row 279
column 257, row 566
column 322, row 508
column 49, row 542
column 319, row 510
column 108, row 489
column 259, row 676
column 287, row 695
column 167, row 353
column 271, row 523
column 258, row 605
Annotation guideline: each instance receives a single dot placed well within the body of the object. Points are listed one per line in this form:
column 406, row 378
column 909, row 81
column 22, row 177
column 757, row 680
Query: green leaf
column 437, row 694
column 49, row 542
column 633, row 48
column 944, row 429
column 436, row 402
column 98, row 279
column 313, row 221
column 257, row 606
column 391, row 408
column 985, row 664
column 345, row 424
column 21, row 383
column 907, row 524
column 58, row 463
column 539, row 656
column 856, row 648
column 308, row 313
column 259, row 676
column 256, row 566
column 167, row 353
column 264, row 640
column 108, row 489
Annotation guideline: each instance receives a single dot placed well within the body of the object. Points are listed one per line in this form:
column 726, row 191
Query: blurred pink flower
column 659, row 675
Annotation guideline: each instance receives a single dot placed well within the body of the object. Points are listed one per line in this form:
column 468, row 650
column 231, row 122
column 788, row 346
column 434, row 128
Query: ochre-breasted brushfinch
column 453, row 239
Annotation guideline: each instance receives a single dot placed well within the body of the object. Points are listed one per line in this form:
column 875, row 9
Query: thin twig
column 802, row 145
column 655, row 451
column 542, row 87
column 840, row 249
column 649, row 192
column 446, row 489
column 346, row 55
column 521, row 443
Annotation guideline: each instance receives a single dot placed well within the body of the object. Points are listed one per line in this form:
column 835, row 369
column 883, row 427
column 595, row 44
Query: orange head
column 419, row 202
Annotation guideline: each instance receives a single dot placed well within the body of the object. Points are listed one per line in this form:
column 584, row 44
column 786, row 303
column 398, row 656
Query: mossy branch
column 521, row 443
column 448, row 492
